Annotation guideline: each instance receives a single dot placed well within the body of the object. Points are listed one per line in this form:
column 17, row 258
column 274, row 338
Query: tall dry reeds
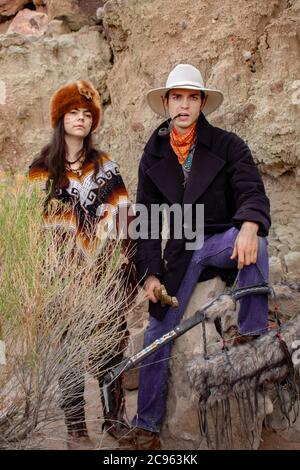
column 59, row 313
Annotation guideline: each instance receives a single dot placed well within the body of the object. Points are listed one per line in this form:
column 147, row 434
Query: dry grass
column 55, row 316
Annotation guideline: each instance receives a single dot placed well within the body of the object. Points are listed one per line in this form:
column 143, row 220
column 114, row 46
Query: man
column 188, row 161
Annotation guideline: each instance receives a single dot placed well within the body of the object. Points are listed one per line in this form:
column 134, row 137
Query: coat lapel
column 167, row 175
column 206, row 165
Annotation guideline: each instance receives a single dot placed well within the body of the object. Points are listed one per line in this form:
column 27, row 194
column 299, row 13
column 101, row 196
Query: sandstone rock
column 292, row 261
column 10, row 8
column 277, row 87
column 276, row 269
column 52, row 62
column 100, row 12
column 23, row 113
column 137, row 127
column 181, row 427
column 4, row 26
column 40, row 3
column 115, row 30
column 28, row 22
column 76, row 13
column 2, row 353
column 57, row 27
column 247, row 55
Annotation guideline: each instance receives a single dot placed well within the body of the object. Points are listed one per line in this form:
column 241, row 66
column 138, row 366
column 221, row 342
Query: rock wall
column 248, row 49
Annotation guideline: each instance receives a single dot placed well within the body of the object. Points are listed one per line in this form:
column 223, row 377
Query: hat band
column 181, row 84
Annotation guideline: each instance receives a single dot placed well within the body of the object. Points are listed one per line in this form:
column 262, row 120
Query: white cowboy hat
column 187, row 77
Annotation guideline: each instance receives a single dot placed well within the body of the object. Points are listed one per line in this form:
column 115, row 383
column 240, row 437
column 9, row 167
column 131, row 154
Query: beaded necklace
column 79, row 161
column 187, row 165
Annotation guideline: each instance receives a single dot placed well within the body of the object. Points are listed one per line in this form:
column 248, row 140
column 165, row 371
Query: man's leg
column 216, row 251
column 253, row 313
column 153, row 382
column 153, row 379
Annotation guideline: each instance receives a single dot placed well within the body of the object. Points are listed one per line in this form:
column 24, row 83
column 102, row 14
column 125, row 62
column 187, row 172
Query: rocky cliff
column 250, row 49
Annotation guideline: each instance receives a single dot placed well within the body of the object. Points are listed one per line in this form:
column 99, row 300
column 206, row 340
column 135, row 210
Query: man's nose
column 81, row 117
column 185, row 103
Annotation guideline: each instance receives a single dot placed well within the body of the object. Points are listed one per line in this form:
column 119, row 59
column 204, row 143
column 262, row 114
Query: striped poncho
column 91, row 206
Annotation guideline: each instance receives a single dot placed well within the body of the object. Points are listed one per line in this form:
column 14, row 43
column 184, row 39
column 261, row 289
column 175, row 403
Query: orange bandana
column 181, row 143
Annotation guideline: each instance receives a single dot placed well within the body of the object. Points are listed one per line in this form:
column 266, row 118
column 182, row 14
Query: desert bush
column 59, row 311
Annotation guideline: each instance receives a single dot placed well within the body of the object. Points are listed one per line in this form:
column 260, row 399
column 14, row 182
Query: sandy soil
column 53, row 436
column 270, row 440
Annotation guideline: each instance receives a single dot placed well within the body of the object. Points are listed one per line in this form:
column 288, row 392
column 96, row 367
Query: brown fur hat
column 80, row 94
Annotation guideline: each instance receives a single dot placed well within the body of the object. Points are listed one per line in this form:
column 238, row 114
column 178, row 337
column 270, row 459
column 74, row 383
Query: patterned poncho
column 91, row 207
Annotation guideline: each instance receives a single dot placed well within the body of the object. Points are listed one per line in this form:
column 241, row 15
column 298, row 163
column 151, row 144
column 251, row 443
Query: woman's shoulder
column 106, row 161
column 104, row 157
column 38, row 169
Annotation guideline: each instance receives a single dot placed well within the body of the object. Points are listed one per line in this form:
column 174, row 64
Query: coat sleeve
column 149, row 255
column 247, row 186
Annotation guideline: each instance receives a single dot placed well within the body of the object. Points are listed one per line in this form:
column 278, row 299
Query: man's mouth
column 183, row 115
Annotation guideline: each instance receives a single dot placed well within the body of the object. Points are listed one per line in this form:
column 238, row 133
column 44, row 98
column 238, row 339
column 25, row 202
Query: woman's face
column 78, row 122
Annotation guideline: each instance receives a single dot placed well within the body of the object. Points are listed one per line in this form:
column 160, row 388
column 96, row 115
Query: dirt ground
column 53, row 436
column 270, row 440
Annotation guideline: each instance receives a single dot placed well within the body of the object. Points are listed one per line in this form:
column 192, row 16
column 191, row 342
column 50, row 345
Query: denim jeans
column 252, row 319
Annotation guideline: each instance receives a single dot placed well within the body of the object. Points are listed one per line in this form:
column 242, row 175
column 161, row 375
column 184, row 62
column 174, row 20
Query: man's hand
column 246, row 245
column 150, row 284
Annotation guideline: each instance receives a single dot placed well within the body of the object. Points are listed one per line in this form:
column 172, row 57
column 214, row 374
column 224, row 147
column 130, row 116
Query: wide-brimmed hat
column 80, row 94
column 184, row 76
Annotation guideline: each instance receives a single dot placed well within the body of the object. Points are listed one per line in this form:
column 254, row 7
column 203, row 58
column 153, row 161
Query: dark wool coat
column 223, row 177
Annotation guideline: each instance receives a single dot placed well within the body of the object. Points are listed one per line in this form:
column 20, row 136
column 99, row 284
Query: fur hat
column 80, row 94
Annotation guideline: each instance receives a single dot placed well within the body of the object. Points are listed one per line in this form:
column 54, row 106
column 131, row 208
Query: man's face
column 187, row 103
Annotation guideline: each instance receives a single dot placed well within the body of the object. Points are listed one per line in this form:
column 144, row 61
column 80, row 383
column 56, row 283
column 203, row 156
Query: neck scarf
column 181, row 143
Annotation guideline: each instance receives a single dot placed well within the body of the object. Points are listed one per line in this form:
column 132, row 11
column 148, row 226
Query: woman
column 84, row 180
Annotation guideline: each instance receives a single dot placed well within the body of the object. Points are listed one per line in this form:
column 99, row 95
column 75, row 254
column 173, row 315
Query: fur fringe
column 243, row 376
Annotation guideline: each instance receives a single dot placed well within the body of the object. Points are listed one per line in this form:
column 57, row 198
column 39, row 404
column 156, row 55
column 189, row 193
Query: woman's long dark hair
column 53, row 158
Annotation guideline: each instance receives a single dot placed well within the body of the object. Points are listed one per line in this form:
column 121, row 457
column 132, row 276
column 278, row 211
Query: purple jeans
column 253, row 319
